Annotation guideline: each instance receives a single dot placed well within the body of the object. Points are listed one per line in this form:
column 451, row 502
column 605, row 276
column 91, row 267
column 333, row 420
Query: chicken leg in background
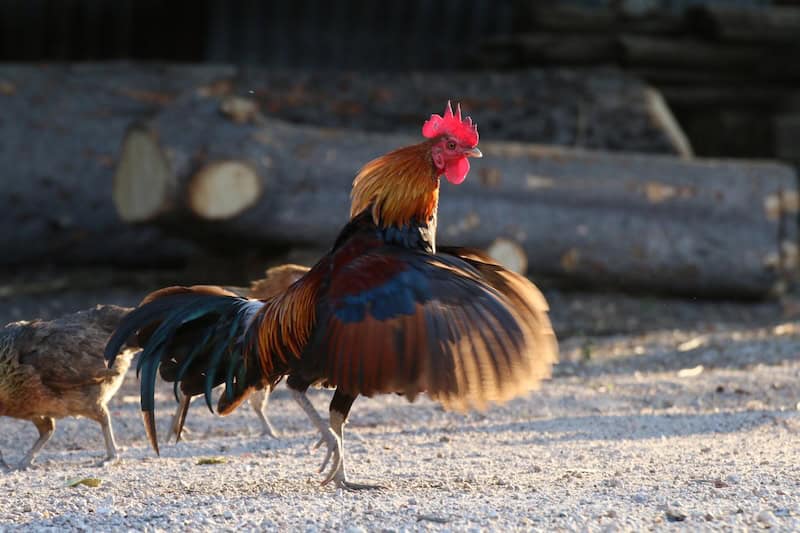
column 54, row 369
column 383, row 312
column 275, row 281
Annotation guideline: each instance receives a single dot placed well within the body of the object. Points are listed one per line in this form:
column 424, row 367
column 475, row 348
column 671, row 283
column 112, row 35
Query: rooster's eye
column 451, row 145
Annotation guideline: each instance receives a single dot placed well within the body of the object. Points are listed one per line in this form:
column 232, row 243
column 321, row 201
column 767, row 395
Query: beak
column 474, row 152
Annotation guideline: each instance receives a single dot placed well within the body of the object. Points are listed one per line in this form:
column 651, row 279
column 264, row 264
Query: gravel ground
column 664, row 415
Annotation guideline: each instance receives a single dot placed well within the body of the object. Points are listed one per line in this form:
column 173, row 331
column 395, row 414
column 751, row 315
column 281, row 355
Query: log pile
column 730, row 73
column 61, row 128
column 699, row 227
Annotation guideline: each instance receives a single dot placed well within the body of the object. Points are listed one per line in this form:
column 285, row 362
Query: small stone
column 733, row 479
column 674, row 515
column 227, row 515
column 766, row 519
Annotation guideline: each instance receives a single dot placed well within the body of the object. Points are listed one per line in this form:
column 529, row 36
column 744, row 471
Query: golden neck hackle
column 401, row 186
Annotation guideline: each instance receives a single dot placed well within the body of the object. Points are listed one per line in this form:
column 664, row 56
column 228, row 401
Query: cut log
column 641, row 50
column 60, row 133
column 223, row 189
column 635, row 221
column 509, row 254
column 545, row 48
column 61, row 127
column 592, row 108
column 762, row 24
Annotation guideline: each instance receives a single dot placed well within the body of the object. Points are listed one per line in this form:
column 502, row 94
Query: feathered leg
column 46, row 427
column 259, row 401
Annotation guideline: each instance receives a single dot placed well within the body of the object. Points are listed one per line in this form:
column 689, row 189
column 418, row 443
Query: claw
column 269, row 431
column 111, row 460
column 333, row 455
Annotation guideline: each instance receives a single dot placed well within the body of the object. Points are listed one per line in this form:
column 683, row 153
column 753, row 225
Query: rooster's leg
column 179, row 418
column 339, row 410
column 259, row 401
column 104, row 420
column 3, row 464
column 46, row 427
column 328, row 436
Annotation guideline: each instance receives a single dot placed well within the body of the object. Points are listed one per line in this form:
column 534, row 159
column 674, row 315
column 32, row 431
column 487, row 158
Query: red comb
column 452, row 124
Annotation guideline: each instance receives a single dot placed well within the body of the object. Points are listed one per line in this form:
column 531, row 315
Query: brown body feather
column 54, row 369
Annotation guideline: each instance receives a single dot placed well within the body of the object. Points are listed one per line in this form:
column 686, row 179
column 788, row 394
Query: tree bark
column 61, row 127
column 60, row 131
column 635, row 221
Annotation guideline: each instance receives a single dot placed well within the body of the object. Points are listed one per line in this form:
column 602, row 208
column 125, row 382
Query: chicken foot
column 327, row 435
column 332, row 434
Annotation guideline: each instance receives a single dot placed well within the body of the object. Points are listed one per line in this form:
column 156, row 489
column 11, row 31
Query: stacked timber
column 62, row 125
column 700, row 227
column 729, row 73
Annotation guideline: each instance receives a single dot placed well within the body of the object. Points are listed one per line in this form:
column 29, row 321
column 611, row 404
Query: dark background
column 732, row 94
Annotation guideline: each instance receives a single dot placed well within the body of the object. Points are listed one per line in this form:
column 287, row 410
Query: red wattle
column 456, row 172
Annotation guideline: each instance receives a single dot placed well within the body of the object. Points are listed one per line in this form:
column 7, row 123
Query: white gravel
column 620, row 439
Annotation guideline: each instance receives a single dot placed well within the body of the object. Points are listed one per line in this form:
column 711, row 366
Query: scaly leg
column 339, row 410
column 46, row 427
column 104, row 420
column 327, row 435
column 179, row 418
column 3, row 464
column 259, row 401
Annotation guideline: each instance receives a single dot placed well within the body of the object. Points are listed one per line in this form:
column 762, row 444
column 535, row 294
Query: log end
column 509, row 254
column 223, row 189
column 143, row 182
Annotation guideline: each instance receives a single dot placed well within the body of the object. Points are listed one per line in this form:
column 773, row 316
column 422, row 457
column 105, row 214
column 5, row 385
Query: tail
column 198, row 338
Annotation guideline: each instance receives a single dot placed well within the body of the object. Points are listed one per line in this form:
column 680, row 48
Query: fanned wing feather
column 465, row 331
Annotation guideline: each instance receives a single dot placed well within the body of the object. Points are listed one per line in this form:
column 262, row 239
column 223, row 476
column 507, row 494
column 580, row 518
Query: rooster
column 54, row 369
column 276, row 280
column 385, row 311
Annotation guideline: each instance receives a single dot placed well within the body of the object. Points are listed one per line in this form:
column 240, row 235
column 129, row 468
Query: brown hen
column 54, row 369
